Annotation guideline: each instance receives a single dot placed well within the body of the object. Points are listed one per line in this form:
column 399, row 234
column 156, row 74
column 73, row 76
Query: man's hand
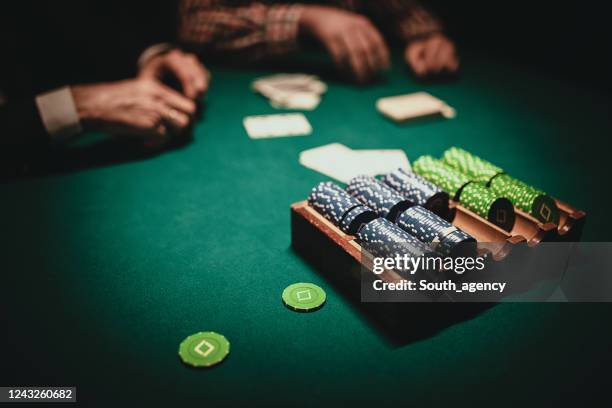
column 351, row 39
column 191, row 74
column 431, row 55
column 139, row 107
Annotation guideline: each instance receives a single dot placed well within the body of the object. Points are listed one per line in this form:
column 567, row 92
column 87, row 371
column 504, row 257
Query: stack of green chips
column 475, row 168
column 482, row 201
column 445, row 177
column 526, row 198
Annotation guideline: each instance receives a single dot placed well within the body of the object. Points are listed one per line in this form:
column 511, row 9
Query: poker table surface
column 108, row 267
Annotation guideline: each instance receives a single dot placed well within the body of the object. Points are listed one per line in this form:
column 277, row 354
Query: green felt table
column 107, row 269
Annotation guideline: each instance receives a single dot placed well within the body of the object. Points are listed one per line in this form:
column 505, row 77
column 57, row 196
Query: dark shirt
column 49, row 44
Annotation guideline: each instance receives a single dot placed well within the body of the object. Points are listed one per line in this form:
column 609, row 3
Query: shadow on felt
column 399, row 323
column 95, row 150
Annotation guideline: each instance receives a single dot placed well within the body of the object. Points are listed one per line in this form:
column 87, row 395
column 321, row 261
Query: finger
column 143, row 124
column 414, row 56
column 452, row 62
column 338, row 52
column 171, row 120
column 440, row 56
column 147, row 71
column 380, row 47
column 372, row 64
column 200, row 77
column 184, row 70
column 430, row 53
column 175, row 99
column 446, row 58
column 356, row 57
column 177, row 119
column 156, row 118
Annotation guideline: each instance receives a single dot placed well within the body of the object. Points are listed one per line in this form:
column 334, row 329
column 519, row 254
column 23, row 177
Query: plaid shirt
column 267, row 28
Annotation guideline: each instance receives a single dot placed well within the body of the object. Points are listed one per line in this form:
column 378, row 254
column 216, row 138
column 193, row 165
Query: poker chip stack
column 447, row 239
column 381, row 198
column 482, row 201
column 419, row 191
column 526, row 198
column 475, row 168
column 472, row 195
column 339, row 207
column 382, row 238
column 442, row 175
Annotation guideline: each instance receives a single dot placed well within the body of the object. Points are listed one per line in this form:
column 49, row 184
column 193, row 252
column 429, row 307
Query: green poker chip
column 526, row 198
column 486, row 189
column 441, row 174
column 482, row 201
column 304, row 297
column 204, row 349
column 475, row 168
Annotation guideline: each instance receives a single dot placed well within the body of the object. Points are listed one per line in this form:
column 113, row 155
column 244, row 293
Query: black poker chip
column 432, row 229
column 382, row 238
column 419, row 191
column 381, row 198
column 339, row 207
column 355, row 218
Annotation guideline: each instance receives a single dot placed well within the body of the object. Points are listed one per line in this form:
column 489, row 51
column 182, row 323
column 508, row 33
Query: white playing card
column 291, row 91
column 411, row 106
column 377, row 162
column 291, row 82
column 266, row 126
column 296, row 100
column 334, row 160
column 342, row 163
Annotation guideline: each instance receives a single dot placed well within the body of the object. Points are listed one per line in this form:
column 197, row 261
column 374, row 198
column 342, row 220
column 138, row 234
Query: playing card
column 334, row 160
column 297, row 100
column 411, row 106
column 292, row 82
column 291, row 91
column 377, row 162
column 266, row 126
column 342, row 163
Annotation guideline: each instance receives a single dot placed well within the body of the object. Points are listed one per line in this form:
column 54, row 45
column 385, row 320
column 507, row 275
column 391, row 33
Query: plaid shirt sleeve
column 417, row 22
column 253, row 29
column 410, row 20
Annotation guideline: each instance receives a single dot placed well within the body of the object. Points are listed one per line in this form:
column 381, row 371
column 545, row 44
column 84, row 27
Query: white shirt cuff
column 58, row 113
column 153, row 51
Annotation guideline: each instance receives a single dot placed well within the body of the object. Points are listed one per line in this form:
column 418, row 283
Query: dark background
column 565, row 40
column 569, row 40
